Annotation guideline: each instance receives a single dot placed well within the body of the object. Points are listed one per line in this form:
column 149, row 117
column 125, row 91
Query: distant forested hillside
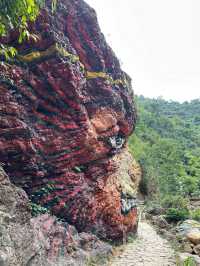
column 167, row 145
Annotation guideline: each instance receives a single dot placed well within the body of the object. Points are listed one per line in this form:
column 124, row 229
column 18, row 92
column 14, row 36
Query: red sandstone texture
column 42, row 240
column 66, row 111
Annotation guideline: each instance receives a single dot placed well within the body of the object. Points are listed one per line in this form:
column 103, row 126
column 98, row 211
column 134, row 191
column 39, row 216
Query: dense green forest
column 167, row 145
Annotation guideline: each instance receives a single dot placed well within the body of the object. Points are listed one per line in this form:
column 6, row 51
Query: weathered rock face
column 42, row 240
column 66, row 111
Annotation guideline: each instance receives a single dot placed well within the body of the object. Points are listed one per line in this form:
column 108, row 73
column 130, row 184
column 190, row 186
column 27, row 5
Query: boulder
column 189, row 230
column 185, row 227
column 194, row 236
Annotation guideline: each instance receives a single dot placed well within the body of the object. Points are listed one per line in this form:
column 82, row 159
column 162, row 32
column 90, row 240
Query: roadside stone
column 197, row 250
column 194, row 236
column 160, row 221
column 187, row 247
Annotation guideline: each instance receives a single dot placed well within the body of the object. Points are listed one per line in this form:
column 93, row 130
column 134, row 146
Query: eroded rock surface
column 43, row 240
column 66, row 111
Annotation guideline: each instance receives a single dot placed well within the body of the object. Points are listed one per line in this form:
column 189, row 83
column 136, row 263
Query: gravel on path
column 149, row 249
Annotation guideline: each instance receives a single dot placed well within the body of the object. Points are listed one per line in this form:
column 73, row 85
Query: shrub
column 189, row 262
column 175, row 215
column 195, row 215
column 177, row 202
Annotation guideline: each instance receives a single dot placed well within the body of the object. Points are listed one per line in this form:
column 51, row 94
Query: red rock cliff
column 66, row 111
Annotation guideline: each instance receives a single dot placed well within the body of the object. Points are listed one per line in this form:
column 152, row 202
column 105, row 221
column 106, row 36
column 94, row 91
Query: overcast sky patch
column 158, row 43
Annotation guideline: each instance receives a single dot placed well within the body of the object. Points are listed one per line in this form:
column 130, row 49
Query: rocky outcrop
column 66, row 111
column 41, row 240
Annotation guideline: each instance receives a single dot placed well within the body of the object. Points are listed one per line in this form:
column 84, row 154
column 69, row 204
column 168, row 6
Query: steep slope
column 66, row 113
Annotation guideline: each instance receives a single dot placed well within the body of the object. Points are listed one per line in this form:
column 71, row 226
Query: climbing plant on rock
column 16, row 15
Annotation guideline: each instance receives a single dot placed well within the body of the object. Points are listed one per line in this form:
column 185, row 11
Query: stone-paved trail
column 149, row 249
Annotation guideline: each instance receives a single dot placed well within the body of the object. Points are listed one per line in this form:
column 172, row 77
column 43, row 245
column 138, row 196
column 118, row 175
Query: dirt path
column 148, row 250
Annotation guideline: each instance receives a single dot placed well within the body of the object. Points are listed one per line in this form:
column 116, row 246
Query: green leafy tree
column 166, row 142
column 15, row 14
